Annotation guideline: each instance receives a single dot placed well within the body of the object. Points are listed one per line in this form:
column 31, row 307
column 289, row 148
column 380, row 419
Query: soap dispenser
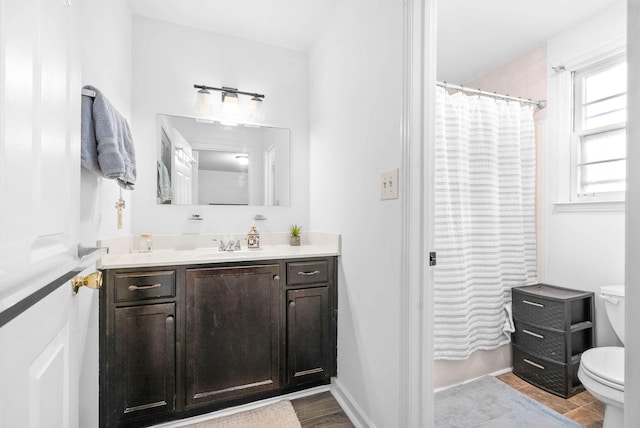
column 253, row 238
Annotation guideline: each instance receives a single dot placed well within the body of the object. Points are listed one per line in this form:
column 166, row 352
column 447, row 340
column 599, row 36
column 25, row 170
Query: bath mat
column 277, row 415
column 490, row 403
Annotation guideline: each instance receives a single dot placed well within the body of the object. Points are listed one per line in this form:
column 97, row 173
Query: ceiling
column 476, row 36
column 473, row 36
column 293, row 24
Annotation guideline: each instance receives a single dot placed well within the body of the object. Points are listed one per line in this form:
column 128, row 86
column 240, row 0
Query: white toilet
column 602, row 369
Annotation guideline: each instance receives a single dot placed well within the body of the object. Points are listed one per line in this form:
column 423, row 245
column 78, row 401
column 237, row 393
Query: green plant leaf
column 295, row 230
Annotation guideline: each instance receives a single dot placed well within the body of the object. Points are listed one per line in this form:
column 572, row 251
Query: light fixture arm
column 228, row 90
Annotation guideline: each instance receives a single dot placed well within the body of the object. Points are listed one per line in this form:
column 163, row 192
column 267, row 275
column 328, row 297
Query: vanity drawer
column 145, row 285
column 311, row 272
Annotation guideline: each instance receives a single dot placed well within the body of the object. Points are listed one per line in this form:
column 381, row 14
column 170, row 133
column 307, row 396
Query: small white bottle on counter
column 145, row 243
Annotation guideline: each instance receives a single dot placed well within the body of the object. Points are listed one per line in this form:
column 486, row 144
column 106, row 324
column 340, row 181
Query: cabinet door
column 309, row 352
column 232, row 338
column 145, row 360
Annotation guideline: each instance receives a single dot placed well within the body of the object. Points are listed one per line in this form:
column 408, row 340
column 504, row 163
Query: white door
column 270, row 176
column 183, row 165
column 40, row 347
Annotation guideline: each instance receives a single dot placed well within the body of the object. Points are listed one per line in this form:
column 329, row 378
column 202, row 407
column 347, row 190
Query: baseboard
column 355, row 413
column 494, row 374
column 244, row 407
column 501, row 372
column 358, row 417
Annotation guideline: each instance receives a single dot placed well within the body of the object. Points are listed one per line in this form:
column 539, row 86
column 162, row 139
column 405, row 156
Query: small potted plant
column 294, row 239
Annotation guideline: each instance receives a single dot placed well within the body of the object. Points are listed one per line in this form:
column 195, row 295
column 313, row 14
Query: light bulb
column 229, row 102
column 203, row 105
column 243, row 159
column 230, row 107
column 256, row 112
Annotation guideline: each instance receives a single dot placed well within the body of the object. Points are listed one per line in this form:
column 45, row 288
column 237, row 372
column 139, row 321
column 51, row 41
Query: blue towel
column 164, row 183
column 107, row 147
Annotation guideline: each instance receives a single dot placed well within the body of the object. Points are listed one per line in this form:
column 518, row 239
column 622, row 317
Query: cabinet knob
column 276, row 277
column 292, row 304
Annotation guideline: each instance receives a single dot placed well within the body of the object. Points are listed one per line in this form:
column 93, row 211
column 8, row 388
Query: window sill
column 588, row 206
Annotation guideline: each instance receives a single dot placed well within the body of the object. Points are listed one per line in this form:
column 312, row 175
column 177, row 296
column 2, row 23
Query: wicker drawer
column 557, row 378
column 312, row 272
column 144, row 285
column 540, row 311
column 545, row 343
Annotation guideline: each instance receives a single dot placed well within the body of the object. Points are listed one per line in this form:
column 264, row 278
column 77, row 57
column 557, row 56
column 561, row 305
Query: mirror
column 202, row 162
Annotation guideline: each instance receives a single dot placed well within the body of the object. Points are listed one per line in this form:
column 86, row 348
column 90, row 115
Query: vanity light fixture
column 230, row 102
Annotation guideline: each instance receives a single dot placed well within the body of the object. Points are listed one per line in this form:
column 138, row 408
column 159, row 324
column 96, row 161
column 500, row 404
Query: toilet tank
column 613, row 298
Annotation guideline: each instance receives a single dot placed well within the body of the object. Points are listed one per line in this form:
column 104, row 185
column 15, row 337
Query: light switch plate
column 389, row 184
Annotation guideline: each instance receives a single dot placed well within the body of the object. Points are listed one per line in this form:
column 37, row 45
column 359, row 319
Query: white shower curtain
column 484, row 219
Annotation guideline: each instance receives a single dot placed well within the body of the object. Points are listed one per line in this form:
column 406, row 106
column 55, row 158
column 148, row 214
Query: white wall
column 356, row 105
column 223, row 187
column 168, row 60
column 106, row 64
column 580, row 249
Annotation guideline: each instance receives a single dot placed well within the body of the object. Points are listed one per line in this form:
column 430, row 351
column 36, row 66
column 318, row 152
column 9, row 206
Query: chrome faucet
column 221, row 247
column 229, row 245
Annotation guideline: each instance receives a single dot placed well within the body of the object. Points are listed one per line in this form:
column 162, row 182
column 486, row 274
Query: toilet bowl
column 601, row 369
column 602, row 374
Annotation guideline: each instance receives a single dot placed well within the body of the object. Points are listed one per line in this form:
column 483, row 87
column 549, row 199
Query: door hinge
column 432, row 258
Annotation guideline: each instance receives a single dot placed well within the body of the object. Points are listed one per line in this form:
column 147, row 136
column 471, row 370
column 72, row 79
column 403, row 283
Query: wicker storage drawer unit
column 554, row 326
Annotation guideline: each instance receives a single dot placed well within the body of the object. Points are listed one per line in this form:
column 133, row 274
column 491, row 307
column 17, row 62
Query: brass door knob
column 92, row 281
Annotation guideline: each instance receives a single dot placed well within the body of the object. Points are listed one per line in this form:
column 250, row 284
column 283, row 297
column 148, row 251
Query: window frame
column 586, row 69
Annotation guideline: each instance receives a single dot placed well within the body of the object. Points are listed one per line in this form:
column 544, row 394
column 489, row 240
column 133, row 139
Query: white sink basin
column 215, row 253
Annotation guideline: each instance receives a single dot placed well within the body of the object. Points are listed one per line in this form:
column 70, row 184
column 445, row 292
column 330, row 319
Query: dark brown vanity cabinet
column 310, row 321
column 184, row 340
column 138, row 346
column 232, row 332
column 145, row 358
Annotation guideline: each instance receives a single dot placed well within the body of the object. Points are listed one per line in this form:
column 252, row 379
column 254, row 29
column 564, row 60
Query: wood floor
column 320, row 411
column 323, row 411
column 582, row 408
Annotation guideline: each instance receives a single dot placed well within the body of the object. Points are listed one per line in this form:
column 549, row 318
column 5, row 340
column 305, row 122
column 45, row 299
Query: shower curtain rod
column 540, row 104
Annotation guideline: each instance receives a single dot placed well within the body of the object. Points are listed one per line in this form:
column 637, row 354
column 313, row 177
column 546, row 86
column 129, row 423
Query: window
column 599, row 130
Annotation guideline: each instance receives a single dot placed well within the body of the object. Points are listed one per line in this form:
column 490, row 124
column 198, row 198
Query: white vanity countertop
column 120, row 255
